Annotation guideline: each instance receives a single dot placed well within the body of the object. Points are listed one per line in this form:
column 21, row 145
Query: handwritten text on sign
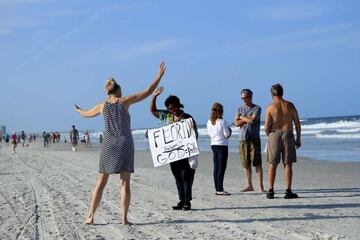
column 173, row 142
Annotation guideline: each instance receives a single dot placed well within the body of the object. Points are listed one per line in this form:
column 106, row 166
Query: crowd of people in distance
column 15, row 139
column 48, row 138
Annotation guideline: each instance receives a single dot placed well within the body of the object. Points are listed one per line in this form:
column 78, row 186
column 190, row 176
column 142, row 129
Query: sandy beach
column 45, row 194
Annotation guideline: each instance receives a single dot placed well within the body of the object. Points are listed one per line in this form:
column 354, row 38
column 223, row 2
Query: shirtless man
column 279, row 119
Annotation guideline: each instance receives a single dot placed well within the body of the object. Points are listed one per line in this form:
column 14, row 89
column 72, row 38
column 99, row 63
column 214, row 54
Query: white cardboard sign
column 173, row 142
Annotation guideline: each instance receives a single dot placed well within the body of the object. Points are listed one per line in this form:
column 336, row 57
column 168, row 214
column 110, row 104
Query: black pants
column 220, row 156
column 184, row 177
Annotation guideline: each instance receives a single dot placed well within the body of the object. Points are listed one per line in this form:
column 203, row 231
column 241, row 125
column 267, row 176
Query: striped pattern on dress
column 117, row 150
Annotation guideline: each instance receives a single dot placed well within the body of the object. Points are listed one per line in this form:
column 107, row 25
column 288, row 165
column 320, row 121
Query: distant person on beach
column 14, row 141
column 74, row 138
column 46, row 137
column 183, row 173
column 117, row 150
column 101, row 138
column 7, row 139
column 87, row 139
column 83, row 141
column 22, row 138
column 219, row 133
column 247, row 117
column 279, row 120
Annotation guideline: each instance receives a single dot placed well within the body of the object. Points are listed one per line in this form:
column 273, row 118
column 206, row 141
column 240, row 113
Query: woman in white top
column 219, row 133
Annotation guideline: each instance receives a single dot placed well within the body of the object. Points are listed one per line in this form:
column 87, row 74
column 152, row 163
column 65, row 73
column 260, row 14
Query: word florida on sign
column 173, row 142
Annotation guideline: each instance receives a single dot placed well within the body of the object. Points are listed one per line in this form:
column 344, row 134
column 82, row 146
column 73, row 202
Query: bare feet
column 248, row 189
column 261, row 190
column 126, row 222
column 89, row 221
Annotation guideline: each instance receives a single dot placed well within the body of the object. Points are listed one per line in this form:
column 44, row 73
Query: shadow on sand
column 271, row 219
column 330, row 193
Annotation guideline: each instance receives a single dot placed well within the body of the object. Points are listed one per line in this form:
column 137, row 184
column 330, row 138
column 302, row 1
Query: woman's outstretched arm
column 137, row 97
column 98, row 109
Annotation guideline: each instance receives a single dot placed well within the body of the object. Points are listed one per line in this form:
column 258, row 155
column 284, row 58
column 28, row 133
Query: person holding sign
column 183, row 173
column 117, row 150
column 219, row 133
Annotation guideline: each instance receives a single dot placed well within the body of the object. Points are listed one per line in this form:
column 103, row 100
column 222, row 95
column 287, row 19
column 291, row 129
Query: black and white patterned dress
column 117, row 150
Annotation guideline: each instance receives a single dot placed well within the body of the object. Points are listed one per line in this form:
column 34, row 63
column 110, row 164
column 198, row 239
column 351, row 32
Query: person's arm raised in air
column 137, row 97
column 153, row 108
column 297, row 127
column 92, row 112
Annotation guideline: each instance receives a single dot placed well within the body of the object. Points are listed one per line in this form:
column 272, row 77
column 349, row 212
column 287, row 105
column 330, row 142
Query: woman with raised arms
column 117, row 150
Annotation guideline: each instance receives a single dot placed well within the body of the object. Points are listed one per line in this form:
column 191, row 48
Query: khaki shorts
column 281, row 145
column 250, row 152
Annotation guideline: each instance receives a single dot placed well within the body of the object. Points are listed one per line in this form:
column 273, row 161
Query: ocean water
column 330, row 138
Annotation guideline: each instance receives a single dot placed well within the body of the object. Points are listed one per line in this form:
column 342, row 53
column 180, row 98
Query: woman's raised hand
column 158, row 91
column 162, row 69
column 77, row 108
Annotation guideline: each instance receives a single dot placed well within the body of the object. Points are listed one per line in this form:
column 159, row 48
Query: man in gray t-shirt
column 247, row 117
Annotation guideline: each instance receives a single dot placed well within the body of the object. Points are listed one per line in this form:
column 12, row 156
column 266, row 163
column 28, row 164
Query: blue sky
column 55, row 53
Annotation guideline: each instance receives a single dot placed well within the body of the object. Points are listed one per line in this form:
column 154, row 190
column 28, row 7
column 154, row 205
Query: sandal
column 223, row 193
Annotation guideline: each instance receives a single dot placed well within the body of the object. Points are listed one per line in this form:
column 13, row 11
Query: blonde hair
column 111, row 86
column 217, row 111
